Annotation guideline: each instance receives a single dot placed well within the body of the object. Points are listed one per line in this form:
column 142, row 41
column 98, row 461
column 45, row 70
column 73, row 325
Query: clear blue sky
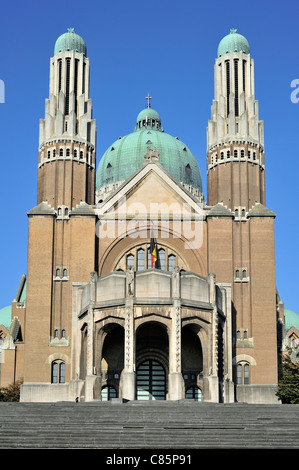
column 166, row 48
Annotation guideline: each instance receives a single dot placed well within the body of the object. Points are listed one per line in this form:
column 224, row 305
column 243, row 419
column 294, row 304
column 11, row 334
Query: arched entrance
column 152, row 361
column 151, row 381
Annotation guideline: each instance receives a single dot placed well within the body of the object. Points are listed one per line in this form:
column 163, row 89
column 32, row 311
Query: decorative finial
column 71, row 30
column 233, row 31
column 148, row 98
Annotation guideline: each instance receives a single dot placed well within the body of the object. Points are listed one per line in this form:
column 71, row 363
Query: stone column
column 175, row 385
column 129, row 353
column 90, row 376
column 212, row 378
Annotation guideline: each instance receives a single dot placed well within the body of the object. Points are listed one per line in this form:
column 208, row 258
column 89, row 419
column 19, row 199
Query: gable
column 150, row 191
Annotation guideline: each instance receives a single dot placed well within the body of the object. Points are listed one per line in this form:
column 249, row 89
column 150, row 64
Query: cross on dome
column 148, row 98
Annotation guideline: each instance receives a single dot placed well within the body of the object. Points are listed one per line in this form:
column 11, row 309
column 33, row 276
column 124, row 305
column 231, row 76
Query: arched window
column 108, row 392
column 194, row 393
column 171, row 262
column 161, row 259
column 58, row 372
column 243, row 370
column 130, row 261
column 140, row 259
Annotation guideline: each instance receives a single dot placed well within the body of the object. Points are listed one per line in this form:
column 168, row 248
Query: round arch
column 128, row 240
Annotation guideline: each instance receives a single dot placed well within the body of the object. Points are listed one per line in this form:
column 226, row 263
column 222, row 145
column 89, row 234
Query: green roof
column 5, row 316
column 70, row 41
column 291, row 319
column 126, row 155
column 233, row 42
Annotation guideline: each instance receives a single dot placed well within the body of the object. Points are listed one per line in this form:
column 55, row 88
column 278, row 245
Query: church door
column 151, row 381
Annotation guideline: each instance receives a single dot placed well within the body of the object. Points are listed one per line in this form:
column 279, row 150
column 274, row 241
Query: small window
column 130, row 261
column 236, row 212
column 235, row 153
column 108, row 393
column 55, row 333
column 59, row 211
column 244, row 273
column 228, row 154
column 67, row 152
column 222, row 155
column 237, row 273
column 66, row 211
column 64, row 272
column 248, row 153
column 58, row 372
column 81, row 154
column 63, row 333
column 54, row 153
column 194, row 393
column 161, row 259
column 140, row 259
column 243, row 212
column 243, row 373
column 75, row 153
column 254, row 155
column 171, row 262
column 61, row 152
column 49, row 154
column 242, row 153
column 58, row 272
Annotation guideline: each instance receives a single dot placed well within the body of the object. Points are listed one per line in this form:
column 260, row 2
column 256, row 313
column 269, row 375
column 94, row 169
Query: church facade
column 138, row 287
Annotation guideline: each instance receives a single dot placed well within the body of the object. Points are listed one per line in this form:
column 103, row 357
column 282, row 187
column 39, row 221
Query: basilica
column 139, row 286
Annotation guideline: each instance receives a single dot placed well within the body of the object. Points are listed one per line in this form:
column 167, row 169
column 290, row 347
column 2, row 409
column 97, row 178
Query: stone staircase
column 148, row 425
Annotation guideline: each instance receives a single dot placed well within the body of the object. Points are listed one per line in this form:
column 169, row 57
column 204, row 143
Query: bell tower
column 241, row 230
column 235, row 135
column 61, row 240
column 67, row 137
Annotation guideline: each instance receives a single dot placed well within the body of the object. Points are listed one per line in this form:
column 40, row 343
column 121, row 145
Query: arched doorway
column 151, row 381
column 152, row 358
column 192, row 362
column 111, row 361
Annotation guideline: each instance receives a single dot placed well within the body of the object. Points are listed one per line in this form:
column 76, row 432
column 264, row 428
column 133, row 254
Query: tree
column 11, row 392
column 288, row 383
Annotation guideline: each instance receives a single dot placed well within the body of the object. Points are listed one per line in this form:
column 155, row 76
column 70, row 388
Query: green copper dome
column 126, row 155
column 291, row 319
column 70, row 41
column 233, row 42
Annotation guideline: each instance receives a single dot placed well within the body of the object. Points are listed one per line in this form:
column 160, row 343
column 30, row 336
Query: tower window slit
column 236, row 88
column 59, row 74
column 83, row 80
column 227, row 86
column 244, row 74
column 67, row 88
column 76, row 83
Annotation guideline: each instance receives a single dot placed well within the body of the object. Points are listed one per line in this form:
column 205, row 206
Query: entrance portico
column 153, row 335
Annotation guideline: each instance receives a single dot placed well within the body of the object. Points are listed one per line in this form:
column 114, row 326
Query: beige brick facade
column 205, row 322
